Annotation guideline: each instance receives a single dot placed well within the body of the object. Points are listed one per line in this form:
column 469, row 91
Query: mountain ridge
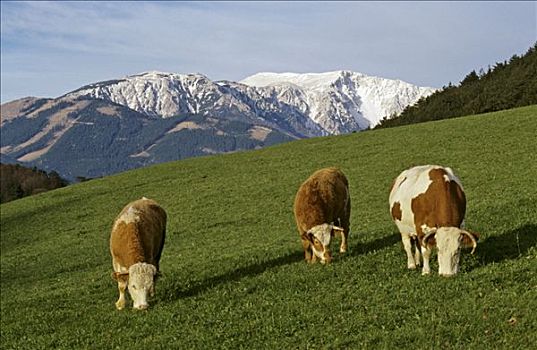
column 333, row 101
column 114, row 125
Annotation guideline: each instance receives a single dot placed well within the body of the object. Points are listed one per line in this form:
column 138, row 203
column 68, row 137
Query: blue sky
column 50, row 48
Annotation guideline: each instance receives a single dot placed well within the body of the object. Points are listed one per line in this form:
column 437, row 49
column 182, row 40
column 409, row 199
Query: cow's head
column 319, row 237
column 449, row 241
column 141, row 284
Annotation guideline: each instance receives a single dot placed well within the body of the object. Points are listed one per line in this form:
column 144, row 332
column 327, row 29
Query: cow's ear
column 308, row 236
column 429, row 238
column 474, row 234
column 469, row 239
column 336, row 229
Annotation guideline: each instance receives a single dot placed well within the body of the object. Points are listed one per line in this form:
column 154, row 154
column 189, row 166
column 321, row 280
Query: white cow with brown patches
column 427, row 203
column 136, row 244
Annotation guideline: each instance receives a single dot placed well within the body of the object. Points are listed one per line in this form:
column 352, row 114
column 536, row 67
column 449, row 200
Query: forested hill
column 508, row 84
column 17, row 181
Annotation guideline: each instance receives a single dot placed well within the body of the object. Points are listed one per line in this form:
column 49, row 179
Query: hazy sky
column 50, row 48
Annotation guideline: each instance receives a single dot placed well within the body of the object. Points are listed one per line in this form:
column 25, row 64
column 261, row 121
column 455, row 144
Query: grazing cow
column 136, row 244
column 427, row 203
column 322, row 201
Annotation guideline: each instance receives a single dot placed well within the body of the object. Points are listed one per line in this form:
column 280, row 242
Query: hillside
column 508, row 84
column 93, row 138
column 233, row 275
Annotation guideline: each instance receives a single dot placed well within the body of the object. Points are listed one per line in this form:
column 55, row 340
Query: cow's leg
column 417, row 253
column 407, row 244
column 122, row 286
column 307, row 250
column 426, row 253
column 344, row 238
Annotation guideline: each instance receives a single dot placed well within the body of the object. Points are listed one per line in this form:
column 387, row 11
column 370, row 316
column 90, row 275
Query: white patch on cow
column 449, row 243
column 426, row 254
column 452, row 177
column 322, row 233
column 130, row 216
column 426, row 229
column 141, row 283
column 410, row 184
column 118, row 268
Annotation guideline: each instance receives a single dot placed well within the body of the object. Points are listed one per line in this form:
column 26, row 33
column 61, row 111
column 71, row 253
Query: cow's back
column 138, row 234
column 323, row 198
column 427, row 196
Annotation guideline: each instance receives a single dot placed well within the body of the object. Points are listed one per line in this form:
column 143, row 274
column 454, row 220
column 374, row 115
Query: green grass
column 233, row 274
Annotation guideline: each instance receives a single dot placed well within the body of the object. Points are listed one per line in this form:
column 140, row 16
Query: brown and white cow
column 136, row 244
column 322, row 201
column 427, row 203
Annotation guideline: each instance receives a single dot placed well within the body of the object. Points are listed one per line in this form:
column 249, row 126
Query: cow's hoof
column 425, row 273
column 120, row 306
column 412, row 267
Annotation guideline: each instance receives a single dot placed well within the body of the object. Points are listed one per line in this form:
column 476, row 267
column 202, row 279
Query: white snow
column 312, row 103
column 370, row 98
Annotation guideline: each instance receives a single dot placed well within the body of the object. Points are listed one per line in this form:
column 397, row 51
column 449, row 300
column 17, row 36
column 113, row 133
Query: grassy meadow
column 233, row 269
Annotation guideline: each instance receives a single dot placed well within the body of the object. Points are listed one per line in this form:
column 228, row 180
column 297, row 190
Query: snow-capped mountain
column 307, row 105
column 343, row 101
column 148, row 118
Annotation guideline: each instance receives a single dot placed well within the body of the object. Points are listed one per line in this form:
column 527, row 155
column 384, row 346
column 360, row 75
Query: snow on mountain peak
column 343, row 101
column 305, row 81
column 309, row 104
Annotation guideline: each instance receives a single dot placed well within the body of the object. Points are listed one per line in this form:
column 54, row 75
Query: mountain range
column 111, row 126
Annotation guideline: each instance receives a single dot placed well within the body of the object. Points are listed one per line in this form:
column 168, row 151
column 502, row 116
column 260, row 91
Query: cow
column 136, row 244
column 427, row 204
column 321, row 202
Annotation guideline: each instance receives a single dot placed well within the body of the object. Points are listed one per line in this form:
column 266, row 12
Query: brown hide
column 142, row 240
column 323, row 198
column 442, row 205
column 396, row 211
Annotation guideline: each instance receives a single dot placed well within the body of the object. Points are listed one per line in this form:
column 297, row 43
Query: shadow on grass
column 38, row 208
column 377, row 244
column 509, row 245
column 236, row 275
column 174, row 292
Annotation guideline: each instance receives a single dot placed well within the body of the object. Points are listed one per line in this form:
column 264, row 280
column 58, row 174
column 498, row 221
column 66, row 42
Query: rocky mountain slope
column 115, row 125
column 81, row 137
column 310, row 104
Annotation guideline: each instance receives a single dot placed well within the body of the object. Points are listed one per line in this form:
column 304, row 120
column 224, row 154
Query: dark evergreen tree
column 17, row 181
column 508, row 84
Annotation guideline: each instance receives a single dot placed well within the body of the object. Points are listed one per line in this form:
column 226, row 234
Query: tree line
column 17, row 181
column 506, row 85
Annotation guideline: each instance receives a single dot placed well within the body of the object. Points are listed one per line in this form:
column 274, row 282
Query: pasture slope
column 233, row 274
